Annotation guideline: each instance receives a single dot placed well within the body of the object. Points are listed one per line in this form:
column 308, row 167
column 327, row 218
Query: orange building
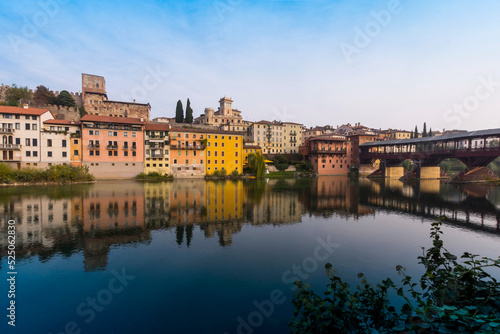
column 329, row 155
column 112, row 147
column 187, row 152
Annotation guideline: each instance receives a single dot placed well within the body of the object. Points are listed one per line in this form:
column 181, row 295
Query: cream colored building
column 157, row 148
column 56, row 142
column 20, row 132
column 268, row 135
column 225, row 118
column 292, row 137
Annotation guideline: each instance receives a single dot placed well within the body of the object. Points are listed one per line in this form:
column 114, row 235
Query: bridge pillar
column 427, row 173
column 394, row 172
column 367, row 169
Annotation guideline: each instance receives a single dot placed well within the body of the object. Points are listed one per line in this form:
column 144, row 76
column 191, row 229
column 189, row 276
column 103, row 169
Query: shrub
column 451, row 297
column 282, row 167
column 223, row 172
column 235, row 173
column 55, row 173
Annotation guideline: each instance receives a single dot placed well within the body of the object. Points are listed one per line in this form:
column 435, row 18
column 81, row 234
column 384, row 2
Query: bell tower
column 226, row 106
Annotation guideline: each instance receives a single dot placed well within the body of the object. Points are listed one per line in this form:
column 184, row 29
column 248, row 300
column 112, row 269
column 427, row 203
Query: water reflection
column 93, row 218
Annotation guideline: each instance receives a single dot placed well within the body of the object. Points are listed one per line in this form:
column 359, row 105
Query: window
column 133, row 134
column 115, row 133
column 125, row 134
column 75, row 152
column 222, row 144
column 187, row 161
column 91, row 132
column 115, row 153
column 215, row 153
column 75, row 141
column 110, row 133
column 97, row 132
column 28, row 142
column 49, row 142
column 49, row 154
column 96, row 153
column 208, row 161
column 133, row 153
column 125, row 153
column 110, row 153
column 35, row 154
column 28, row 153
column 18, row 141
column 91, row 153
column 64, row 154
column 35, row 142
column 27, row 126
column 175, row 161
column 64, row 143
column 18, row 126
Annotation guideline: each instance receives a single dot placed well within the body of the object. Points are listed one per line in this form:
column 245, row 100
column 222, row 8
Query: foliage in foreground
column 256, row 164
column 451, row 297
column 54, row 173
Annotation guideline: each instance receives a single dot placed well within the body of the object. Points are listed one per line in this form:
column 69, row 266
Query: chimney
column 25, row 106
column 134, row 100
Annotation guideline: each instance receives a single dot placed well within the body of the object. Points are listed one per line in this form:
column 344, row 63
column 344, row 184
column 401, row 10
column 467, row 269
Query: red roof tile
column 157, row 127
column 61, row 121
column 22, row 111
column 111, row 119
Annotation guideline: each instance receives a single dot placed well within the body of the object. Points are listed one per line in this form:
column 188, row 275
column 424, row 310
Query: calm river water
column 191, row 256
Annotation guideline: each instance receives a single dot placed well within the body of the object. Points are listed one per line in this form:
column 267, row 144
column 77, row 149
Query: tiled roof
column 22, row 111
column 111, row 119
column 157, row 127
column 61, row 122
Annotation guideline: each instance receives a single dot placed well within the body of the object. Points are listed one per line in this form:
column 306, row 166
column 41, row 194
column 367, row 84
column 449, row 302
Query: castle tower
column 93, row 84
column 226, row 106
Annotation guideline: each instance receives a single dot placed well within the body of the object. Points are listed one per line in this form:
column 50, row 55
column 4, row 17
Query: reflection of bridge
column 467, row 212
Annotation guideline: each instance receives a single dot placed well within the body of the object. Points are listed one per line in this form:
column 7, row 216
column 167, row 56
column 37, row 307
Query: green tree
column 256, row 164
column 411, row 135
column 415, row 135
column 452, row 296
column 424, row 131
column 43, row 96
column 430, row 132
column 179, row 112
column 65, row 99
column 189, row 113
column 16, row 96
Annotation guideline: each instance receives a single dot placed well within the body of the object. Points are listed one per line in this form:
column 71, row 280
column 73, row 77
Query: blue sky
column 382, row 63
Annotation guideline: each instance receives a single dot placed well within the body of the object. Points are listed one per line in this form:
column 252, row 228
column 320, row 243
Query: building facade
column 57, row 143
column 329, row 154
column 157, row 148
column 292, row 137
column 187, row 152
column 112, row 147
column 20, row 132
column 224, row 152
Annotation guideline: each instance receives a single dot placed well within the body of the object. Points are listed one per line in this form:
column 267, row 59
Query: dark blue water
column 217, row 257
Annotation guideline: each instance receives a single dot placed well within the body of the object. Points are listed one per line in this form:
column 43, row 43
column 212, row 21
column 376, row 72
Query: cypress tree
column 415, row 135
column 189, row 113
column 424, row 132
column 179, row 113
column 430, row 132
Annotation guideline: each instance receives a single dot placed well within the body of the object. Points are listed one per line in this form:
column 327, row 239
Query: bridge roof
column 455, row 136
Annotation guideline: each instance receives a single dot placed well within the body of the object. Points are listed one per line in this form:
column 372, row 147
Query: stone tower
column 226, row 106
column 93, row 84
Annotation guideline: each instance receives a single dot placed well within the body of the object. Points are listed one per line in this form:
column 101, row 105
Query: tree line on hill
column 16, row 96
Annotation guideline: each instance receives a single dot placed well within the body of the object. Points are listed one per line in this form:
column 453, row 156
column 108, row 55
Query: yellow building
column 224, row 152
column 250, row 149
column 157, row 148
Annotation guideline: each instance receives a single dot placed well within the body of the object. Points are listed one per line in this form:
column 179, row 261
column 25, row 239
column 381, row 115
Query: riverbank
column 56, row 174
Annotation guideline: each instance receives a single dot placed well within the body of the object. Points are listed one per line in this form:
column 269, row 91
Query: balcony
column 293, row 133
column 76, row 135
column 293, row 140
column 6, row 130
column 112, row 147
column 125, row 147
column 10, row 147
column 94, row 146
column 316, row 150
column 187, row 147
column 133, row 148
